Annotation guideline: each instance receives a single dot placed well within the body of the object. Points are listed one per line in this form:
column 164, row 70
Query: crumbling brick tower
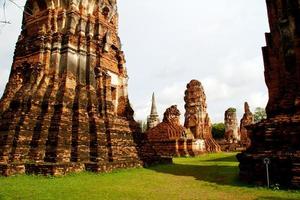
column 278, row 137
column 65, row 107
column 232, row 133
column 196, row 116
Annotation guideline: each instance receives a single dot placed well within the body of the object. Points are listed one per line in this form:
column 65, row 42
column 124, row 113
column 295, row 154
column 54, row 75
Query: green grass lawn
column 211, row 176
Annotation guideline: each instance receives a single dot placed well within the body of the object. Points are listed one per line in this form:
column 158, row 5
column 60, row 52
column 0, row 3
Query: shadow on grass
column 219, row 174
column 231, row 158
column 210, row 170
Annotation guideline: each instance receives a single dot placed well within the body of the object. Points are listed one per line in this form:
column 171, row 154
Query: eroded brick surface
column 65, row 107
column 278, row 137
column 196, row 116
column 169, row 137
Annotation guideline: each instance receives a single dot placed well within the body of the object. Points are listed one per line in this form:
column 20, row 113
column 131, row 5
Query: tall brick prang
column 278, row 137
column 196, row 116
column 65, row 107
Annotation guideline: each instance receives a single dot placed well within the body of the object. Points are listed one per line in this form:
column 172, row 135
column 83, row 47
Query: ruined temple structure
column 278, row 137
column 232, row 133
column 65, row 107
column 196, row 116
column 247, row 120
column 153, row 118
column 170, row 127
column 169, row 138
column 231, row 140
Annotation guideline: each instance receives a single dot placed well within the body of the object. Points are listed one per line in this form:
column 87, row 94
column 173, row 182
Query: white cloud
column 258, row 99
column 168, row 43
column 216, row 90
column 9, row 35
column 3, row 79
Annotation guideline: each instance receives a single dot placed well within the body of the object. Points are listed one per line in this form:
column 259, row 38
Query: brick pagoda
column 278, row 137
column 65, row 107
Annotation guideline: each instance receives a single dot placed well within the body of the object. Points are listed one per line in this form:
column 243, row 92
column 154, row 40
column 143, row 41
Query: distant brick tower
column 277, row 139
column 196, row 116
column 65, row 107
column 232, row 132
column 153, row 118
column 247, row 120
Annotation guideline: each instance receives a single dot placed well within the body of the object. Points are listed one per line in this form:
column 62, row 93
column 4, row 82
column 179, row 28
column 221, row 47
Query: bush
column 218, row 130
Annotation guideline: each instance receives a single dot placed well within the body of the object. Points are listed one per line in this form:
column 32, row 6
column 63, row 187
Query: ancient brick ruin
column 247, row 120
column 232, row 133
column 196, row 116
column 65, row 107
column 168, row 138
column 278, row 137
column 170, row 127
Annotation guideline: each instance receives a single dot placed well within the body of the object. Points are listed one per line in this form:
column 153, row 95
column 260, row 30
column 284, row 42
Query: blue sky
column 167, row 43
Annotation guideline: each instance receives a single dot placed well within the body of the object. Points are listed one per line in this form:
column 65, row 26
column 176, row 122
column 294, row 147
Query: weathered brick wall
column 66, row 103
column 278, row 137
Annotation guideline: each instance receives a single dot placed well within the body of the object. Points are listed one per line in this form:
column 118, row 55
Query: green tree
column 218, row 130
column 259, row 114
column 231, row 109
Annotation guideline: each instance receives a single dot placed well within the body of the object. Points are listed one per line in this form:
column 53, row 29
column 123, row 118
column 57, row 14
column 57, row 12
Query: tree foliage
column 259, row 114
column 218, row 130
column 231, row 110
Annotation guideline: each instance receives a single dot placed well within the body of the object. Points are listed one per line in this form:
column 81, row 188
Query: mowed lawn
column 212, row 176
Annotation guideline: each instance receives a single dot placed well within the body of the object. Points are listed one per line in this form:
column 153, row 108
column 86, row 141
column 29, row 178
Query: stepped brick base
column 59, row 169
column 180, row 147
column 277, row 139
column 230, row 147
column 55, row 169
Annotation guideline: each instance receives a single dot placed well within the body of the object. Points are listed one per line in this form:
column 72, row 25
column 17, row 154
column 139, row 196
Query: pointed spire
column 153, row 118
column 153, row 107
